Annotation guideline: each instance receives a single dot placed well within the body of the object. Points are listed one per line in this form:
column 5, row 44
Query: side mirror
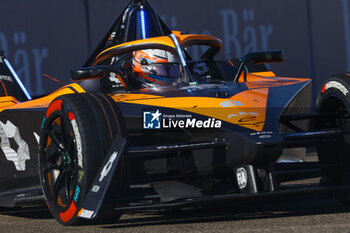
column 259, row 58
column 86, row 73
column 264, row 57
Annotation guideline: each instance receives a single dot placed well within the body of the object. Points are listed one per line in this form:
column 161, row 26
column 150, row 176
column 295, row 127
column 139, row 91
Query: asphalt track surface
column 308, row 215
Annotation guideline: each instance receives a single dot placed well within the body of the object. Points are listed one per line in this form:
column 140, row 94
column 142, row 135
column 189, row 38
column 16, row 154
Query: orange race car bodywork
column 246, row 108
column 190, row 120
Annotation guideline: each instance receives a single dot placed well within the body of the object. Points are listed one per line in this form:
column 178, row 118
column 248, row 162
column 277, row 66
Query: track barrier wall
column 51, row 37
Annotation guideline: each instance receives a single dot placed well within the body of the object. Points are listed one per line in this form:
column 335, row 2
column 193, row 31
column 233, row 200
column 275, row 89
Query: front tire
column 335, row 99
column 76, row 134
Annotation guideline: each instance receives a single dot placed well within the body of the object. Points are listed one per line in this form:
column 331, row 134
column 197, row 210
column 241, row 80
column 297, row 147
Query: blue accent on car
column 143, row 24
column 179, row 50
column 76, row 194
column 17, row 79
column 42, row 124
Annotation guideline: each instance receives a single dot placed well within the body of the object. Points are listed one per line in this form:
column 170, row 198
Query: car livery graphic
column 147, row 125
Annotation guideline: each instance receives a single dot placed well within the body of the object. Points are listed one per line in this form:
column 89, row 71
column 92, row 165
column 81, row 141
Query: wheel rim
column 59, row 160
column 338, row 155
column 333, row 105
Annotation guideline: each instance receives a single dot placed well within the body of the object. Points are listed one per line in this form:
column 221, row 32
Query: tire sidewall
column 88, row 156
column 338, row 87
column 335, row 89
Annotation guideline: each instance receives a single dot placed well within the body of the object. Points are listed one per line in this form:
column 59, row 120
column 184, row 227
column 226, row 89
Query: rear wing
column 10, row 83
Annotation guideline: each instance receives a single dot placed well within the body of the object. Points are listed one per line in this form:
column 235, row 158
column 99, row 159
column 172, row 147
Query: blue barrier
column 51, row 37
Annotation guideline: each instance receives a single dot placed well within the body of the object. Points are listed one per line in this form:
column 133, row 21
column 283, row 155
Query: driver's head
column 155, row 66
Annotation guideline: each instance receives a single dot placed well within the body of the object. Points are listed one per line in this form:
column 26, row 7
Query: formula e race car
column 148, row 124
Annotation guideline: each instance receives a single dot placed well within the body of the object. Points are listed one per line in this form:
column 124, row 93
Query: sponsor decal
column 112, row 36
column 76, row 194
column 158, row 120
column 140, row 186
column 86, row 213
column 242, row 178
column 95, row 188
column 230, row 103
column 108, row 166
column 194, row 86
column 6, row 78
column 116, row 82
column 10, row 131
column 80, row 175
column 261, row 133
column 337, row 85
column 265, row 136
column 247, row 116
column 78, row 143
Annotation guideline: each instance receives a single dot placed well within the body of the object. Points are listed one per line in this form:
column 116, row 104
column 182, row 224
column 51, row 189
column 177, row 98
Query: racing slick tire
column 335, row 98
column 77, row 132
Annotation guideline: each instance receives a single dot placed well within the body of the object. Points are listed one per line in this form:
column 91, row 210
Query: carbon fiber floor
column 312, row 215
